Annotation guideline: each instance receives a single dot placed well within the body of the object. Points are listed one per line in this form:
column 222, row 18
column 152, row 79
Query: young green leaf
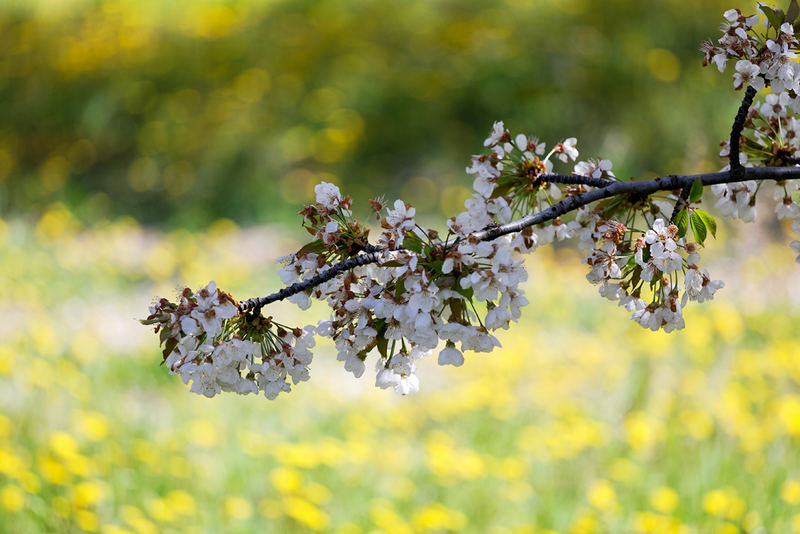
column 696, row 192
column 698, row 228
column 708, row 221
column 315, row 246
column 792, row 11
column 682, row 222
column 775, row 20
column 502, row 190
column 382, row 342
column 412, row 242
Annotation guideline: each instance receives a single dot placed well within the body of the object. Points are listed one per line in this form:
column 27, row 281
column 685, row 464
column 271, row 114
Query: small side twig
column 737, row 128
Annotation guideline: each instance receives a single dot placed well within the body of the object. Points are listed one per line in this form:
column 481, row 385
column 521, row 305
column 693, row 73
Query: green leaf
column 399, row 289
column 774, row 19
column 709, row 221
column 636, row 277
column 793, row 11
column 392, row 263
column 466, row 293
column 502, row 190
column 412, row 242
column 698, row 228
column 681, row 221
column 315, row 246
column 631, row 264
column 383, row 343
column 696, row 192
column 434, row 265
column 169, row 347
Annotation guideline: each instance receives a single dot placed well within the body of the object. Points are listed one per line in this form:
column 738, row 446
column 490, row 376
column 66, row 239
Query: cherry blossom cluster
column 210, row 344
column 415, row 291
column 762, row 57
column 422, row 292
column 771, row 135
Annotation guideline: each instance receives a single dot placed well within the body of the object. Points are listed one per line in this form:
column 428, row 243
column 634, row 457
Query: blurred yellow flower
column 136, row 519
column 790, row 491
column 586, row 523
column 285, row 480
column 602, row 496
column 305, row 513
column 160, row 510
column 643, row 430
column 93, row 426
column 238, row 508
column 87, row 520
column 724, row 503
column 12, row 498
column 203, row 432
column 89, row 493
column 789, row 413
column 316, row 493
column 6, row 365
column 10, row 464
column 53, row 471
column 63, row 444
column 664, row 499
column 436, row 516
column 386, row 519
column 181, row 502
column 624, row 471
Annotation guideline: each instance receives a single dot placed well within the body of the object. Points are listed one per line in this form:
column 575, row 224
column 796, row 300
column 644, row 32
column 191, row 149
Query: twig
column 736, row 129
column 299, row 287
column 573, row 179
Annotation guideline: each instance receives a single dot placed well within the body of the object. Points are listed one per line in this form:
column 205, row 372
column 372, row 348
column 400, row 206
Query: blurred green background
column 145, row 146
column 182, row 112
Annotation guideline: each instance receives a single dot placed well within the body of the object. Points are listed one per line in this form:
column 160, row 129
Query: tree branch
column 573, row 179
column 665, row 183
column 611, row 189
column 299, row 287
column 738, row 127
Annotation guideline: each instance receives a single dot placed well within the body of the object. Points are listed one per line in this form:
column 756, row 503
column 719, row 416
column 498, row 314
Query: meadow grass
column 581, row 423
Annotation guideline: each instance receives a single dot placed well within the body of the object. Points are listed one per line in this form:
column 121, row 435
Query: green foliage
column 184, row 112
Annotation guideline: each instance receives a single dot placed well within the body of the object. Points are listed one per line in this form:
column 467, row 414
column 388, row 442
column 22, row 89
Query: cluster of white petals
column 736, row 200
column 204, row 349
column 760, row 59
column 414, row 293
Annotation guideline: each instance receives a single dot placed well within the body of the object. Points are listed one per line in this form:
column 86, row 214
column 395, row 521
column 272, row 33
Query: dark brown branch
column 665, row 183
column 646, row 187
column 573, row 179
column 736, row 129
column 299, row 287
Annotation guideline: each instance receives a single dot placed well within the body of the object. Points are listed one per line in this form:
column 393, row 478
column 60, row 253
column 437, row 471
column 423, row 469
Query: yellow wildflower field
column 582, row 422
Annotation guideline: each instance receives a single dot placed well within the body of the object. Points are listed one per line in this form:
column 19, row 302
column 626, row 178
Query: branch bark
column 610, row 189
column 738, row 127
